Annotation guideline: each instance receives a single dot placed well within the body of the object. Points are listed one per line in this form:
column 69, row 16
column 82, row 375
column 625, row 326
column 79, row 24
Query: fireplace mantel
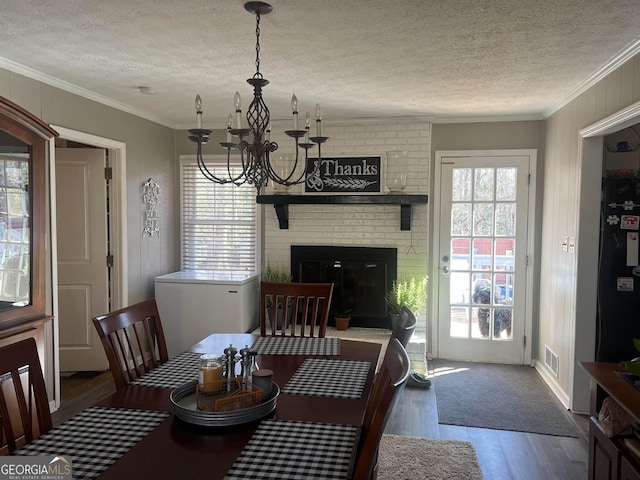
column 281, row 204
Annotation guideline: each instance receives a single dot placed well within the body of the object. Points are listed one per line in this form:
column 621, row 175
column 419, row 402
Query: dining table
column 314, row 429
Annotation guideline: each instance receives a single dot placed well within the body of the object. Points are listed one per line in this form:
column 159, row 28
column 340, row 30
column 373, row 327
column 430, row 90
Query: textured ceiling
column 357, row 58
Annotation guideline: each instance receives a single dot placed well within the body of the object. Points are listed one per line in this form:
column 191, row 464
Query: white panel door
column 483, row 258
column 82, row 252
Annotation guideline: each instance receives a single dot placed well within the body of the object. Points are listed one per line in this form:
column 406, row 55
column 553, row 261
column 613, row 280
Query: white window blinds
column 218, row 222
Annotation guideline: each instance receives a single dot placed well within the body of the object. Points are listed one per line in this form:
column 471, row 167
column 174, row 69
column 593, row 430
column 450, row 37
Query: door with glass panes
column 483, row 258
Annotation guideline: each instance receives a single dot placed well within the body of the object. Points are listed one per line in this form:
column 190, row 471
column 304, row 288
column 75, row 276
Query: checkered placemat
column 297, row 346
column 329, row 378
column 287, row 450
column 179, row 370
column 95, row 438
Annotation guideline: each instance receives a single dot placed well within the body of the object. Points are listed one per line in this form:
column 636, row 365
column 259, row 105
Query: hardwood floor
column 503, row 455
column 81, row 395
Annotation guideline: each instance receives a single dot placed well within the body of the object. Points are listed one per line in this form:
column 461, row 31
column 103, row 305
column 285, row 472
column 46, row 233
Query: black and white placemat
column 297, row 346
column 296, row 450
column 179, row 370
column 329, row 378
column 95, row 438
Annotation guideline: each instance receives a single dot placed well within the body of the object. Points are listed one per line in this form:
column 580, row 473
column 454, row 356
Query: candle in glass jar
column 210, row 372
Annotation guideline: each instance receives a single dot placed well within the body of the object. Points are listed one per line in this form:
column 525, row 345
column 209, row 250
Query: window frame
column 218, row 160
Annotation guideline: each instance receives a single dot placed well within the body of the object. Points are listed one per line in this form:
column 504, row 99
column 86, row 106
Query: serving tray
column 183, row 399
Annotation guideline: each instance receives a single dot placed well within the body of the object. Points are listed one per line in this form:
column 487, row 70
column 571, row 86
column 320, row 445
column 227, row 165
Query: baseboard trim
column 549, row 378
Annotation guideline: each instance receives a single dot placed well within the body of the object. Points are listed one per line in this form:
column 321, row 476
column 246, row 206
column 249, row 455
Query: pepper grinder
column 245, row 363
column 230, row 354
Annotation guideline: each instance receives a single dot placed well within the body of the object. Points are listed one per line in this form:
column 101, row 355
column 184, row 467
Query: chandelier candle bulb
column 229, row 125
column 237, row 102
column 294, row 109
column 318, row 120
column 198, row 111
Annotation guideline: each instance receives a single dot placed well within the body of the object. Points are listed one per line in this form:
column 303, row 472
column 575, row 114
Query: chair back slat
column 388, row 384
column 295, row 308
column 133, row 340
column 24, row 406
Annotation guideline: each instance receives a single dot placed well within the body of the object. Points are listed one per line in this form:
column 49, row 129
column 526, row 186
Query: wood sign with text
column 350, row 175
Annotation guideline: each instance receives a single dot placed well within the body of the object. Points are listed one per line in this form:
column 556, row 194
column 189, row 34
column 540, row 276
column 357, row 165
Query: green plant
column 411, row 293
column 275, row 274
column 346, row 313
column 272, row 273
column 633, row 366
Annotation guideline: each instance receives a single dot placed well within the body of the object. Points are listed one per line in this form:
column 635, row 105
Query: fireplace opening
column 361, row 276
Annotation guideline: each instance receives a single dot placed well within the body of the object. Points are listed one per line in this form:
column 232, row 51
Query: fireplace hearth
column 361, row 277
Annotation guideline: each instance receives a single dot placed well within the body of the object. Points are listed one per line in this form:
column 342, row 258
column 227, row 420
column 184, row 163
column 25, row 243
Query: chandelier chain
column 258, row 74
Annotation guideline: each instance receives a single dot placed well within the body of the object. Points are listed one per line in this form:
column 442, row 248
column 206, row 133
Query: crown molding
column 525, row 117
column 615, row 62
column 76, row 90
column 622, row 119
column 407, row 119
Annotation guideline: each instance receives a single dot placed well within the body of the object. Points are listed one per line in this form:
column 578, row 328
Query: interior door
column 82, row 253
column 483, row 258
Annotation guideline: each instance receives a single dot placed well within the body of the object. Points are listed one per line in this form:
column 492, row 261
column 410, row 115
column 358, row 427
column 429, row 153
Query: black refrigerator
column 618, row 316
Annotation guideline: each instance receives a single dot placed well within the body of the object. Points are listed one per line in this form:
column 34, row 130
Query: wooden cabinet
column 23, row 154
column 610, row 458
column 604, row 454
column 628, row 470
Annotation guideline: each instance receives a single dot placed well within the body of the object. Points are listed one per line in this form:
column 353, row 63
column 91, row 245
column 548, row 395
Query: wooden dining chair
column 404, row 326
column 24, row 406
column 296, row 307
column 388, row 384
column 133, row 340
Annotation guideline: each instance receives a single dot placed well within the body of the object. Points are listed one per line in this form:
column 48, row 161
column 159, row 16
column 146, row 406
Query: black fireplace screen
column 361, row 277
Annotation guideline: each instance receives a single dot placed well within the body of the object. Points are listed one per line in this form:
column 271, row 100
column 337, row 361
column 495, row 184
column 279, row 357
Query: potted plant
column 633, row 366
column 342, row 319
column 272, row 273
column 410, row 293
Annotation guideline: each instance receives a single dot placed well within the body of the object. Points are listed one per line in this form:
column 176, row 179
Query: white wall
column 565, row 324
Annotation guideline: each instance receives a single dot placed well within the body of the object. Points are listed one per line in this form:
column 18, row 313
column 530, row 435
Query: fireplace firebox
column 361, row 277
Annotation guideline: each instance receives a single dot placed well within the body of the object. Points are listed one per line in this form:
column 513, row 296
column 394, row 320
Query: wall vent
column 551, row 360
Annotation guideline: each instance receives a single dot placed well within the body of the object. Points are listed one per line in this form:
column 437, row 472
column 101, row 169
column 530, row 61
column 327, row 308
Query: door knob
column 445, row 269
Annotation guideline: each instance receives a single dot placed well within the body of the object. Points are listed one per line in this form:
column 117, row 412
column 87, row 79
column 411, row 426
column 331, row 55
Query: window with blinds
column 218, row 222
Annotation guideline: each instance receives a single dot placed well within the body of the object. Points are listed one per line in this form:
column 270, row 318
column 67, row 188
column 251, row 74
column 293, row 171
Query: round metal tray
column 183, row 399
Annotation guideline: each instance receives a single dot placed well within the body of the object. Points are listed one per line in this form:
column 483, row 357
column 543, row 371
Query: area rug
column 410, row 458
column 501, row 397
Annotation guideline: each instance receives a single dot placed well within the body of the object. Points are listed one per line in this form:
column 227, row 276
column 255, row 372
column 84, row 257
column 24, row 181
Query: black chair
column 404, row 327
column 403, row 330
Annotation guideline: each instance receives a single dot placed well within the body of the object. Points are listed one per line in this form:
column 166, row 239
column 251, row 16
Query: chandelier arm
column 273, row 175
column 205, row 171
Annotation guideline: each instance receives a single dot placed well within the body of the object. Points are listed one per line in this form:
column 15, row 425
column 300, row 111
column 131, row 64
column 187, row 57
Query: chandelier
column 256, row 151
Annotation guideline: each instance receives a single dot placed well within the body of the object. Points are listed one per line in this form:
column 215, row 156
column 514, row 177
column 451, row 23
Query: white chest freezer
column 193, row 305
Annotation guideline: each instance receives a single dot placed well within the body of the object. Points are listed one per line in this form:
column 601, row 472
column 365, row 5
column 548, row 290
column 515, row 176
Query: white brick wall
column 360, row 225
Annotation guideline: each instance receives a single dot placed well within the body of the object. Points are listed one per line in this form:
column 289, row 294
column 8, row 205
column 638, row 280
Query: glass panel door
column 483, row 258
